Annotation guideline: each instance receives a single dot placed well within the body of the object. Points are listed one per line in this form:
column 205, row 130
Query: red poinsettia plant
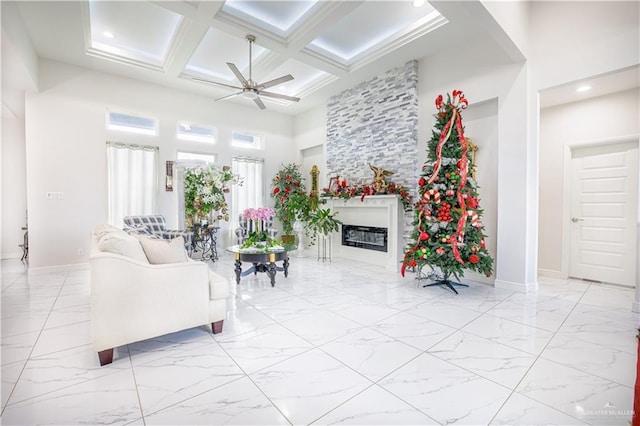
column 285, row 184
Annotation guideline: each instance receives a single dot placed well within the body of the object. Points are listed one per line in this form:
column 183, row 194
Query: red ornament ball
column 424, row 236
column 474, row 258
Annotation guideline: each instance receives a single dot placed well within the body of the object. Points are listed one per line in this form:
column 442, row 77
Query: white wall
column 574, row 40
column 310, row 132
column 14, row 187
column 615, row 116
column 66, row 135
column 481, row 125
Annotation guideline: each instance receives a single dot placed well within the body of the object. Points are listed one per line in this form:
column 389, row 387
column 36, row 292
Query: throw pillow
column 123, row 245
column 163, row 251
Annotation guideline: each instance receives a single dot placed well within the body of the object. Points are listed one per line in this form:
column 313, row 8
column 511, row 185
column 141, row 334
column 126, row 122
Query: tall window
column 251, row 193
column 132, row 176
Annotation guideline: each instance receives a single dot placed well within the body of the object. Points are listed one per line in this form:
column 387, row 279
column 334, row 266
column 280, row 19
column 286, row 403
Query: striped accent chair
column 156, row 226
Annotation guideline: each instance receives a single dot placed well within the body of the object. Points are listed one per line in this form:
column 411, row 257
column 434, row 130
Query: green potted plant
column 287, row 184
column 324, row 222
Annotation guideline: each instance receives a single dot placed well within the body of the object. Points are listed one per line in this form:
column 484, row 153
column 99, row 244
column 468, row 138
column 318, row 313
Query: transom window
column 132, row 123
column 247, row 140
column 195, row 132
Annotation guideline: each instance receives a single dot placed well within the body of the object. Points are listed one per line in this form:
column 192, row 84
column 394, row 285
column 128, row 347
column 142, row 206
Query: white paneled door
column 604, row 194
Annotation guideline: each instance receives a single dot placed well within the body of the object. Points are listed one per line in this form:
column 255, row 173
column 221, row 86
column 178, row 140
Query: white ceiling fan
column 250, row 89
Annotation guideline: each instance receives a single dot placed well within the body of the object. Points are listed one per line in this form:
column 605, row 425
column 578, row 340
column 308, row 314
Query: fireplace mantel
column 384, row 211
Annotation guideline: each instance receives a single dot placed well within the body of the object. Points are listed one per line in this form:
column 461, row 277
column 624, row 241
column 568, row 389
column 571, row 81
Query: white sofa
column 133, row 299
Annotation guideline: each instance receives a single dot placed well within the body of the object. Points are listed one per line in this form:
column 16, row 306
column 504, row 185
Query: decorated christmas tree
column 448, row 235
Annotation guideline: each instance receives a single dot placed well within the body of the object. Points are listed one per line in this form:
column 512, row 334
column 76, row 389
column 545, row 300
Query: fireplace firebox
column 365, row 237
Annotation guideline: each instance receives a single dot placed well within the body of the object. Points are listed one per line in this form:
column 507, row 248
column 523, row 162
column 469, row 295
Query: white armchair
column 133, row 300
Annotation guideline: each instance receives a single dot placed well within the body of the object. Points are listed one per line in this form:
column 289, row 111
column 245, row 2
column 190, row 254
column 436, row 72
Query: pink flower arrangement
column 261, row 213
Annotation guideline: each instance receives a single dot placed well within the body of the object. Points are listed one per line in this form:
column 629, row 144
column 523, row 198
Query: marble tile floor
column 334, row 343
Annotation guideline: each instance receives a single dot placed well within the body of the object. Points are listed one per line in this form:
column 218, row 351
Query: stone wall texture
column 376, row 123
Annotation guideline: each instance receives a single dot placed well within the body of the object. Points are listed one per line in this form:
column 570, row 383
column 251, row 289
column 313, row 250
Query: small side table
column 205, row 240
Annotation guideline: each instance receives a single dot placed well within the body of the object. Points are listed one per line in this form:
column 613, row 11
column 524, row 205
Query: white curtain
column 132, row 177
column 251, row 193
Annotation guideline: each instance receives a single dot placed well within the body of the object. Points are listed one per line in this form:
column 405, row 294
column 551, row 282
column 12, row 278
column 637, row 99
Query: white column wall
column 14, row 187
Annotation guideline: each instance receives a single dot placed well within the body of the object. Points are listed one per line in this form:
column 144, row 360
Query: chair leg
column 106, row 356
column 217, row 326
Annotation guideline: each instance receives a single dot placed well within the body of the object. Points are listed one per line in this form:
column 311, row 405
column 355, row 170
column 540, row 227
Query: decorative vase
column 298, row 228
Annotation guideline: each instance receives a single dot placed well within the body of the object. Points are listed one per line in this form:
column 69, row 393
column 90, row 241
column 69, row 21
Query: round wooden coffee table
column 261, row 261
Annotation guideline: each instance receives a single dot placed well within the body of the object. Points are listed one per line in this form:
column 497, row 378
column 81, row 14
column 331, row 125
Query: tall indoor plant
column 289, row 198
column 204, row 192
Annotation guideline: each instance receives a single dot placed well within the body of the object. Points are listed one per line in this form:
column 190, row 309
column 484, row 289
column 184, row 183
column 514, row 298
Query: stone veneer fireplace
column 376, row 212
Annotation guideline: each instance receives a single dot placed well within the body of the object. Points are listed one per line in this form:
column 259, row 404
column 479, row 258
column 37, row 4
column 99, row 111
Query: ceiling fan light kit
column 250, row 89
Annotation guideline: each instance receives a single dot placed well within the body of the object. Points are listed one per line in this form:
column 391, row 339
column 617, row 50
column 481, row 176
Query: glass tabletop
column 239, row 249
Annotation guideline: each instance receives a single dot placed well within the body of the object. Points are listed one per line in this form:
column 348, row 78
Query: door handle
column 576, row 220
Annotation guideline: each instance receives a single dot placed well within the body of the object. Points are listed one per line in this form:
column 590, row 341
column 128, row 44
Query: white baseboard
column 59, row 268
column 550, row 273
column 11, row 255
column 478, row 278
column 519, row 287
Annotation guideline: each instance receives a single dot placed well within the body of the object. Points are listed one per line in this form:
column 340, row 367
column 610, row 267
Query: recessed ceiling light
column 108, row 34
column 583, row 88
column 418, row 3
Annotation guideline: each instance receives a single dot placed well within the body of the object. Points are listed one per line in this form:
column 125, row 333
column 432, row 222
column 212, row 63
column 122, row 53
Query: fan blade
column 275, row 82
column 215, row 83
column 238, row 74
column 259, row 102
column 279, row 96
column 230, row 96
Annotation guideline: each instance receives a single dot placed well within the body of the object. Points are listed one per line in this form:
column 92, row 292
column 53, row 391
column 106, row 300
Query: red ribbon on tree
column 456, row 121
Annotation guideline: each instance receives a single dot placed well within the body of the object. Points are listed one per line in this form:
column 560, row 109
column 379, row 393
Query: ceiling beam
column 189, row 35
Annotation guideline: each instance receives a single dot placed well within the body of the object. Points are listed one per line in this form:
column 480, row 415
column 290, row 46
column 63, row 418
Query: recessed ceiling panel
column 136, row 30
column 370, row 25
column 304, row 76
column 215, row 50
column 276, row 16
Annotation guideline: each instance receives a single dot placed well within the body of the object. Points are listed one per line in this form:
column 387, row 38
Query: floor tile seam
column 578, row 336
column 364, row 390
column 81, row 382
column 29, row 356
column 273, row 404
column 505, row 344
column 524, row 323
column 608, row 307
column 573, row 367
column 156, row 411
column 364, row 325
column 475, row 373
column 551, row 406
column 491, row 341
column 538, row 357
column 324, row 342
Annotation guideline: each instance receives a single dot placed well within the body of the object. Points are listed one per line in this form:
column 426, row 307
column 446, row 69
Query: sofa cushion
column 122, row 244
column 163, row 251
column 104, row 229
column 218, row 286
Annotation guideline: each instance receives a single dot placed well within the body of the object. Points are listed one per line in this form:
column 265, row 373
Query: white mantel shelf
column 384, row 211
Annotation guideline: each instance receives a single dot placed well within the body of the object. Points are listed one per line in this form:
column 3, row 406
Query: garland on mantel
column 347, row 192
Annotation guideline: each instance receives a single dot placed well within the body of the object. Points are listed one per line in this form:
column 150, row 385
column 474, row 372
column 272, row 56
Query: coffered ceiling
column 325, row 45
